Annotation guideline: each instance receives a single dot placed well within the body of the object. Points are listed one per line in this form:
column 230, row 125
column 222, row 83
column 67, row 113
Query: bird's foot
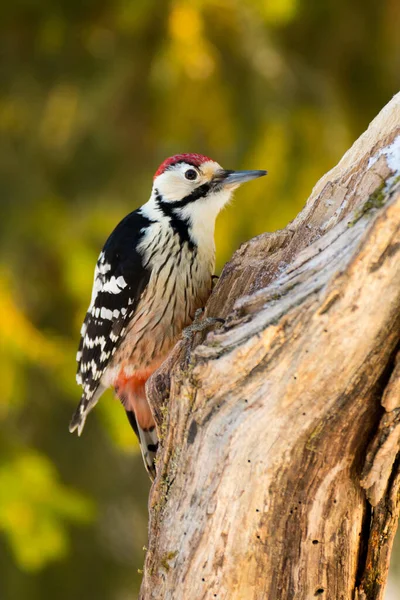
column 200, row 324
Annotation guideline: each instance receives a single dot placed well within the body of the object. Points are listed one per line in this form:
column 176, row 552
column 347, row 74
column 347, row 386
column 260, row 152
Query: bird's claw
column 200, row 324
column 214, row 281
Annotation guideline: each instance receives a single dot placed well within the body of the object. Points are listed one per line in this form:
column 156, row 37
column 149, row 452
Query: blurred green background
column 94, row 95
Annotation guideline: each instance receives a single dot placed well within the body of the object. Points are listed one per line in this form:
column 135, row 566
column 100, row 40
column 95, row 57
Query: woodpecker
column 153, row 273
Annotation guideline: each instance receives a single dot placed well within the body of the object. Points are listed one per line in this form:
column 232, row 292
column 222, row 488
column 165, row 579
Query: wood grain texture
column 278, row 473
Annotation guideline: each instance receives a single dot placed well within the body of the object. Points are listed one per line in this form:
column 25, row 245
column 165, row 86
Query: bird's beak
column 233, row 179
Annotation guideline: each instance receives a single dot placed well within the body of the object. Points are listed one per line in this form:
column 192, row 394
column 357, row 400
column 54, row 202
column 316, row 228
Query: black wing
column 119, row 280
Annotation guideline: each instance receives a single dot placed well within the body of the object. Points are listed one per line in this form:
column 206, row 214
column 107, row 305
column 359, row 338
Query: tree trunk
column 278, row 476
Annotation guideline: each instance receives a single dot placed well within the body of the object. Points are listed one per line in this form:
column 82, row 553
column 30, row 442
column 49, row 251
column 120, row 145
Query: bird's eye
column 191, row 174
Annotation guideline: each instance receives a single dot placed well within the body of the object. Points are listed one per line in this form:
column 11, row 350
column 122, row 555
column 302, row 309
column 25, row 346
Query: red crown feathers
column 192, row 159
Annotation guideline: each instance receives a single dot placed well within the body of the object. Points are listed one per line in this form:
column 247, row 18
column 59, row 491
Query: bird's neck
column 197, row 218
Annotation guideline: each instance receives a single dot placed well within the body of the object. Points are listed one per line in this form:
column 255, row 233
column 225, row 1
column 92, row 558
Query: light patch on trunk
column 392, row 154
column 315, row 515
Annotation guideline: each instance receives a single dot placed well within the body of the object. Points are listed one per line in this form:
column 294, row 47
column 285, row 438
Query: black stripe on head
column 215, row 185
column 178, row 223
column 200, row 192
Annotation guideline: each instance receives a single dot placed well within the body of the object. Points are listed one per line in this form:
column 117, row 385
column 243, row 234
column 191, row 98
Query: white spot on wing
column 97, row 287
column 104, row 268
column 106, row 313
column 97, row 341
column 114, row 285
column 93, row 367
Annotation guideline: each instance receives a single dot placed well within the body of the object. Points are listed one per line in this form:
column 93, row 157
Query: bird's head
column 193, row 184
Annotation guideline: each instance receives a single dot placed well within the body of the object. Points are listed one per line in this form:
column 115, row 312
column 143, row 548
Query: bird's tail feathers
column 148, row 441
column 84, row 407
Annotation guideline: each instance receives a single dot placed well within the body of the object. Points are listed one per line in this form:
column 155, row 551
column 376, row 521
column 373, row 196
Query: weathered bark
column 278, row 475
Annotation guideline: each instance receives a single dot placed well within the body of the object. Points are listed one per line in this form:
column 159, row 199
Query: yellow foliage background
column 93, row 96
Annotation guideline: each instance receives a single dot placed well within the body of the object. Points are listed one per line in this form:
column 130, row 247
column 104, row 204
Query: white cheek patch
column 173, row 186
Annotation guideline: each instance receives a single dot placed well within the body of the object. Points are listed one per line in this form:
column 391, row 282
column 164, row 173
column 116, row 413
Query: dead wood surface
column 278, row 474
